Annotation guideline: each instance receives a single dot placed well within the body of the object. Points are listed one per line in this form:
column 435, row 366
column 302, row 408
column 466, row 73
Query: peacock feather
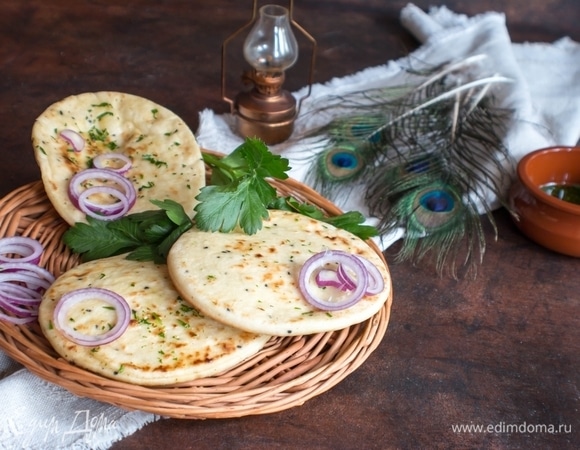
column 348, row 149
column 427, row 159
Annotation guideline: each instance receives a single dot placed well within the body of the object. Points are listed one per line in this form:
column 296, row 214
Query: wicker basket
column 285, row 373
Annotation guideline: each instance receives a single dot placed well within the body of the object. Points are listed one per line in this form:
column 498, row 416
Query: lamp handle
column 310, row 38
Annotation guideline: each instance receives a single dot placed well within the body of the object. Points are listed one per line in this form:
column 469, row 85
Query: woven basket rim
column 287, row 372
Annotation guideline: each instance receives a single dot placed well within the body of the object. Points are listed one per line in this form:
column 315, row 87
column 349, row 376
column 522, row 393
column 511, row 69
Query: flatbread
column 167, row 341
column 251, row 281
column 167, row 161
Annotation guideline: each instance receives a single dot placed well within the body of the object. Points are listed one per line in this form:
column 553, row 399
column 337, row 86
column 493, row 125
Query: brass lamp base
column 270, row 133
column 270, row 118
column 267, row 111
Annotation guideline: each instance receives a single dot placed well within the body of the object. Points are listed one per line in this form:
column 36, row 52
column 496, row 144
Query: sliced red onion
column 19, row 310
column 30, row 279
column 28, row 249
column 17, row 320
column 75, row 186
column 321, row 261
column 100, row 162
column 344, row 277
column 27, row 268
column 102, row 211
column 75, row 297
column 16, row 294
column 329, row 278
column 21, row 287
column 74, row 139
column 376, row 281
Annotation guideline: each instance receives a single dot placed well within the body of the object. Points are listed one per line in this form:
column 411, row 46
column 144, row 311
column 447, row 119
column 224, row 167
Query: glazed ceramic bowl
column 544, row 218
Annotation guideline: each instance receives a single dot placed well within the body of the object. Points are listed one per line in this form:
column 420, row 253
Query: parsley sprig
column 352, row 221
column 238, row 195
column 146, row 236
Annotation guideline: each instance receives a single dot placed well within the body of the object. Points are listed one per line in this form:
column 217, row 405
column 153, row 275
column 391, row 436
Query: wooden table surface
column 503, row 349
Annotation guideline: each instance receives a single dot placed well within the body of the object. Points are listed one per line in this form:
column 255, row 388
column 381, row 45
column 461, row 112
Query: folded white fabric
column 545, row 94
column 38, row 415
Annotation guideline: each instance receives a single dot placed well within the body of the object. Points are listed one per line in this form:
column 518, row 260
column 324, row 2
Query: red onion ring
column 75, row 184
column 344, row 277
column 26, row 267
column 74, row 139
column 72, row 298
column 30, row 279
column 21, row 287
column 99, row 162
column 329, row 278
column 29, row 250
column 15, row 294
column 320, row 261
column 109, row 212
column 376, row 281
column 17, row 320
column 19, row 310
column 106, row 211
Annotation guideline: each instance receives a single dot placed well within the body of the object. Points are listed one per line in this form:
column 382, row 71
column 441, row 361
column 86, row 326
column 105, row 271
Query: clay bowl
column 544, row 218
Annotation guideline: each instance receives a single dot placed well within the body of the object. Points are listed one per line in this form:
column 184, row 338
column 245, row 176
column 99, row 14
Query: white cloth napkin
column 42, row 416
column 39, row 415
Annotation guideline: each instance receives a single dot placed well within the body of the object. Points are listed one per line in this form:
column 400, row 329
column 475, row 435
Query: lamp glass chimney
column 271, row 45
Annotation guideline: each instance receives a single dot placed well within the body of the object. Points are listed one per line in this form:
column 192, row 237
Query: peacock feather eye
column 436, row 208
column 341, row 163
column 437, row 201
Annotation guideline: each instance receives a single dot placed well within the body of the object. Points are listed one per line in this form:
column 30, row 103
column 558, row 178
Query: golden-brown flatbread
column 166, row 159
column 251, row 281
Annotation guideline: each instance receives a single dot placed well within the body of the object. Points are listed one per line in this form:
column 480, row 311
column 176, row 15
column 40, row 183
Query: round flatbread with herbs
column 167, row 341
column 251, row 282
column 164, row 157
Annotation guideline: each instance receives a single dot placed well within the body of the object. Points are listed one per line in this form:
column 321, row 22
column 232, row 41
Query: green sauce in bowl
column 566, row 192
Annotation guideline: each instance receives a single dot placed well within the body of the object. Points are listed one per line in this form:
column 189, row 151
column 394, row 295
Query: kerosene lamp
column 266, row 110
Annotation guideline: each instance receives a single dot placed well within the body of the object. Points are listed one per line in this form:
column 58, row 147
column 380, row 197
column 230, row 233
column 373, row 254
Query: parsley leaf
column 95, row 239
column 147, row 235
column 239, row 193
column 352, row 221
column 173, row 210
